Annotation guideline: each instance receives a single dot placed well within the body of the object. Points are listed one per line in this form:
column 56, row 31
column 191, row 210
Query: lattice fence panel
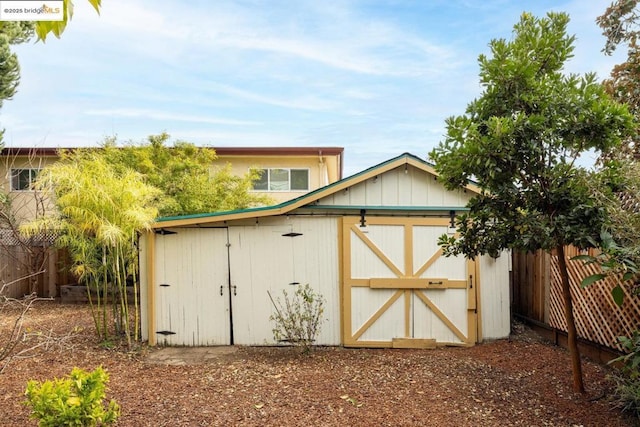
column 598, row 318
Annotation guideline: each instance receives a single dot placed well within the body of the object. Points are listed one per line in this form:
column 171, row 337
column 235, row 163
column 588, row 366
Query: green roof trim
column 310, row 194
column 214, row 214
column 389, row 208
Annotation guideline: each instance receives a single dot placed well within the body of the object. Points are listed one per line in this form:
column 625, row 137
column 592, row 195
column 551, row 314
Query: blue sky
column 375, row 77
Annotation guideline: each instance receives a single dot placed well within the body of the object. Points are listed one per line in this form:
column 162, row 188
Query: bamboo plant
column 100, row 211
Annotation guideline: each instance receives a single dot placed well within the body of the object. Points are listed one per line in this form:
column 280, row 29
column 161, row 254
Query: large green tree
column 520, row 141
column 186, row 176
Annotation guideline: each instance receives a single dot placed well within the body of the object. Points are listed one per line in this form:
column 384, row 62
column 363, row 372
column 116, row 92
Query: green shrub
column 627, row 380
column 73, row 401
column 298, row 319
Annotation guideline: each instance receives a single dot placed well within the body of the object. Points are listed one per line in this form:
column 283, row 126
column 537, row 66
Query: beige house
column 289, row 172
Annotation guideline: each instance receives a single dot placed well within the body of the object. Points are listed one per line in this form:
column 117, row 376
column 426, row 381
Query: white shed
column 367, row 243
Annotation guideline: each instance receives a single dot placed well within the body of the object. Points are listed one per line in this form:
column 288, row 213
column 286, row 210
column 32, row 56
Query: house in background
column 289, row 172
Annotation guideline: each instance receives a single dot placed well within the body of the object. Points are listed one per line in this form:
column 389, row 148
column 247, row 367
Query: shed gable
column 404, row 185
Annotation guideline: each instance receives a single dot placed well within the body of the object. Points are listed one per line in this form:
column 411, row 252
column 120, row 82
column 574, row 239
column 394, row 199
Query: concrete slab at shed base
column 180, row 356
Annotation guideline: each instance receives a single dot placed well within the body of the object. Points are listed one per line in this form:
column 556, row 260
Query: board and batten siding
column 192, row 272
column 398, row 188
column 262, row 260
column 143, row 256
column 495, row 298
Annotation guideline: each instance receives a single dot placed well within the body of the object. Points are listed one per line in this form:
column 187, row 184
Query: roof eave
column 288, row 206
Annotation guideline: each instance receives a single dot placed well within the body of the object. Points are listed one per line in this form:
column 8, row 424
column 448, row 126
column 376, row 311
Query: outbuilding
column 367, row 243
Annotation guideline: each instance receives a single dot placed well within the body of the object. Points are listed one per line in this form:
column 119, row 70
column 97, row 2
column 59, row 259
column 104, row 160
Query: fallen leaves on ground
column 516, row 382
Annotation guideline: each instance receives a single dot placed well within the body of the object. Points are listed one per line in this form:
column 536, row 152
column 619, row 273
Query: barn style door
column 399, row 290
column 192, row 287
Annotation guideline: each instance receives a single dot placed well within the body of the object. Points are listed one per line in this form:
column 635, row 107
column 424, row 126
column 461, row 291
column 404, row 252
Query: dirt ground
column 517, row 382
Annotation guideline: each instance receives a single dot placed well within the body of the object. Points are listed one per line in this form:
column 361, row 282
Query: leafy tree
column 617, row 188
column 621, row 26
column 184, row 174
column 44, row 28
column 519, row 141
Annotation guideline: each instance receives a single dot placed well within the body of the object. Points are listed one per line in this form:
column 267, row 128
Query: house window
column 279, row 179
column 23, row 179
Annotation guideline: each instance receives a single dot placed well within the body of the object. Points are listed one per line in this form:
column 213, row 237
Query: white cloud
column 378, row 78
column 164, row 115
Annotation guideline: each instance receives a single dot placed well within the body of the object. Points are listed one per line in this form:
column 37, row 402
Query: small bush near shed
column 73, row 401
column 298, row 319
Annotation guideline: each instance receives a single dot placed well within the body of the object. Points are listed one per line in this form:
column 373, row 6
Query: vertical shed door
column 275, row 256
column 398, row 289
column 192, row 276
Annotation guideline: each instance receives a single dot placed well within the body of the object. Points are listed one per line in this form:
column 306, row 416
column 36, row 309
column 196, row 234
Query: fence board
column 15, row 264
column 530, row 284
column 598, row 318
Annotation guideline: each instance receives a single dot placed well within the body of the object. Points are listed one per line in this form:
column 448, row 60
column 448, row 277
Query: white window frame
column 288, row 188
column 14, row 180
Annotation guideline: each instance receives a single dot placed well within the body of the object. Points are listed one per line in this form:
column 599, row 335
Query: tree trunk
column 572, row 338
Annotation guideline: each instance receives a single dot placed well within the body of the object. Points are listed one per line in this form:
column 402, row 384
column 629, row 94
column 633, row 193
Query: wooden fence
column 537, row 295
column 39, row 269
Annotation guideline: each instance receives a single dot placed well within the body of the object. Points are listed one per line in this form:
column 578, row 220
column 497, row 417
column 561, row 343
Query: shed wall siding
column 263, row 260
column 191, row 270
column 397, row 188
column 494, row 296
column 144, row 290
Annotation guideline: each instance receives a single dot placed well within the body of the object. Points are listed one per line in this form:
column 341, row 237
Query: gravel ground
column 517, row 382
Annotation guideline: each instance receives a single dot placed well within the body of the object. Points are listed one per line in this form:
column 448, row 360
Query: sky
column 377, row 77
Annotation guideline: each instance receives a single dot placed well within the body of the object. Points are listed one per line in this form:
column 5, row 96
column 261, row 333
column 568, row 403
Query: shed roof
column 311, row 197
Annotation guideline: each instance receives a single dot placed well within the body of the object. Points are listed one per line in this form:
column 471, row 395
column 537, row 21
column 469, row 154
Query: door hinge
column 292, row 234
column 164, row 232
column 165, row 333
column 164, row 285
